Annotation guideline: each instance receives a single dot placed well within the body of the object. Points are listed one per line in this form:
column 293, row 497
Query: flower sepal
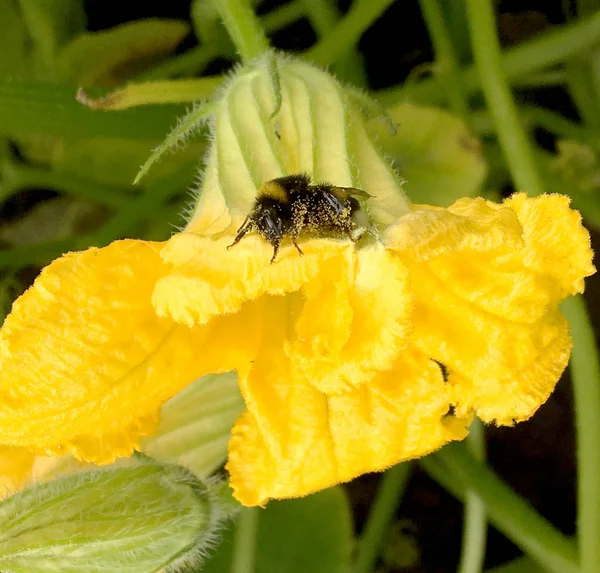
column 144, row 516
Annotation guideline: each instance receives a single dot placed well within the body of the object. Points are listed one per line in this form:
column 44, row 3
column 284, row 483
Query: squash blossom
column 350, row 358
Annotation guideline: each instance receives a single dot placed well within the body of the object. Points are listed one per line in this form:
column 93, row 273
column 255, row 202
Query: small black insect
column 292, row 207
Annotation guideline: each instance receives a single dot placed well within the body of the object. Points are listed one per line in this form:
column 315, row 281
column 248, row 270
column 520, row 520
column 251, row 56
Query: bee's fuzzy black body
column 292, row 207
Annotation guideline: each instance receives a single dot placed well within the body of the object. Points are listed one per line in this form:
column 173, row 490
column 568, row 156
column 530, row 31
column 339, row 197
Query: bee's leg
column 296, row 245
column 275, row 244
column 245, row 228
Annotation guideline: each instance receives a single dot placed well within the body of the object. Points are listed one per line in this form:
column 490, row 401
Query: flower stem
column 243, row 27
column 472, row 554
column 283, row 15
column 390, row 490
column 511, row 135
column 324, row 18
column 244, row 543
column 518, row 63
column 585, row 372
column 445, row 56
column 510, row 513
column 17, row 176
column 349, row 30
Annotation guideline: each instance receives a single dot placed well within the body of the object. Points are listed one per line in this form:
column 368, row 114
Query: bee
column 293, row 207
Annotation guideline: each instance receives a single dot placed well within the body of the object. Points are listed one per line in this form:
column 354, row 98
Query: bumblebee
column 292, row 207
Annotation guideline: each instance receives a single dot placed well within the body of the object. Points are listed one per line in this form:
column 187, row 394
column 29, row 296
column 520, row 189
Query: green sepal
column 140, row 518
column 195, row 425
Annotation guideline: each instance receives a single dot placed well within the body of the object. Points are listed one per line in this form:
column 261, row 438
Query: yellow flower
column 349, row 358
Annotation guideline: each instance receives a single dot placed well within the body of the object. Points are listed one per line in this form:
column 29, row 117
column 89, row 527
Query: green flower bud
column 279, row 117
column 140, row 519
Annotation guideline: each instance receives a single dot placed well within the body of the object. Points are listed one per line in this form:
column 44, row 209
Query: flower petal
column 85, row 362
column 207, row 280
column 473, row 224
column 482, row 253
column 487, row 281
column 512, row 366
column 557, row 245
column 353, row 320
column 293, row 440
column 15, row 469
column 515, row 397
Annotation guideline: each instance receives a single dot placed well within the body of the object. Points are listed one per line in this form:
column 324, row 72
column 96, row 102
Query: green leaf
column 38, row 107
column 51, row 24
column 13, row 41
column 434, row 152
column 115, row 161
column 108, row 57
column 312, row 534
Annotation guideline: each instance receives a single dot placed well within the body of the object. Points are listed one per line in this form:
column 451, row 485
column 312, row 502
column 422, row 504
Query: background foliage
column 473, row 116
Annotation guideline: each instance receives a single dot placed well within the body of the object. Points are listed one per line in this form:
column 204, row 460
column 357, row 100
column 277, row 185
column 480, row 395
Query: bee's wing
column 353, row 192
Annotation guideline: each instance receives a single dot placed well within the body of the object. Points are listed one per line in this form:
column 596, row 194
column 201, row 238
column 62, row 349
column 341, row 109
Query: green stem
column 472, row 554
column 348, row 31
column 244, row 543
column 583, row 90
column 561, row 126
column 283, row 15
column 519, row 565
column 518, row 63
column 16, row 177
column 585, row 372
column 439, row 472
column 243, row 27
column 324, row 18
column 511, row 135
column 194, row 61
column 445, row 56
column 510, row 513
column 390, row 490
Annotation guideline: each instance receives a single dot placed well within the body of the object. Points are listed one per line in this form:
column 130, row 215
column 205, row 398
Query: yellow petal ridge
column 354, row 319
column 486, row 284
column 557, row 244
column 293, row 439
column 206, row 280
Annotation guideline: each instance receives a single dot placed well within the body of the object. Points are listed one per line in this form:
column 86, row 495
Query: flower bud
column 289, row 118
column 140, row 518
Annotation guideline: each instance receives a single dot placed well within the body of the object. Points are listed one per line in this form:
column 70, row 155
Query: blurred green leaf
column 577, row 164
column 312, row 534
column 574, row 171
column 434, row 152
column 51, row 24
column 115, row 161
column 13, row 41
column 111, row 56
column 51, row 220
column 401, row 550
column 39, row 107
